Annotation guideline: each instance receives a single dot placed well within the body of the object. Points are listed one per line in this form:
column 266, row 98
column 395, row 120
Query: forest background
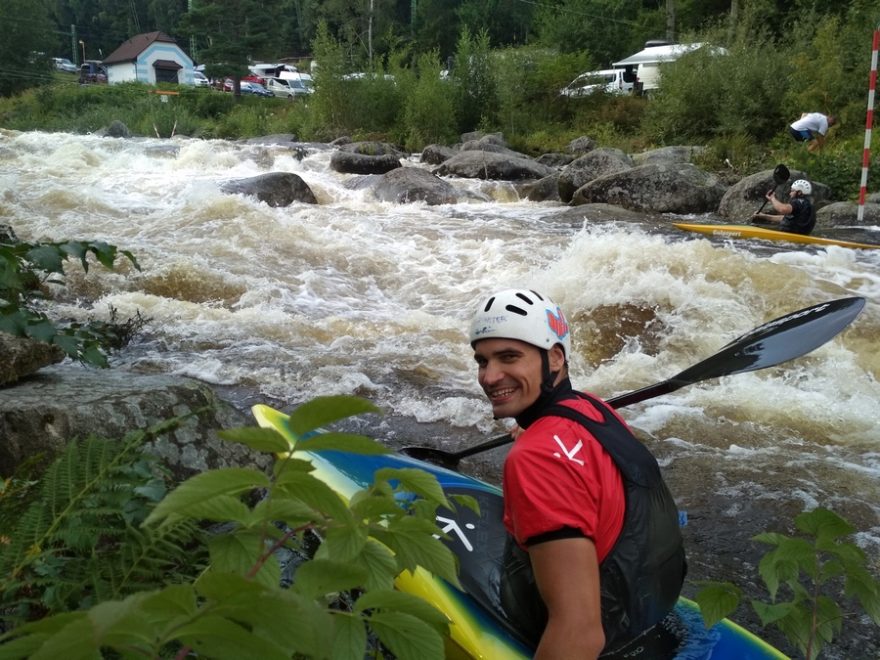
column 508, row 60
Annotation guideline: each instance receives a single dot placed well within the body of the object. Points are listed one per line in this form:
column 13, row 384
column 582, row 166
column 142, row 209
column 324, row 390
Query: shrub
column 236, row 607
column 429, row 114
column 810, row 569
column 24, row 267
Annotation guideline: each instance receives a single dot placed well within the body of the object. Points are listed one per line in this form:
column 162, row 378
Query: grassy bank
column 417, row 108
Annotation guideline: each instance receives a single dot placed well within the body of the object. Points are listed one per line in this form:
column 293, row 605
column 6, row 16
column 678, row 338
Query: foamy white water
column 359, row 296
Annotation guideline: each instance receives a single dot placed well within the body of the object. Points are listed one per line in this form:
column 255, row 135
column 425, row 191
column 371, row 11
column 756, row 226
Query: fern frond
column 80, row 541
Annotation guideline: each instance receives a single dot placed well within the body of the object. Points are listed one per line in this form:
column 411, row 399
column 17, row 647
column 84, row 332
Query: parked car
column 291, row 86
column 92, row 71
column 64, row 64
column 248, row 87
column 200, row 79
column 610, row 81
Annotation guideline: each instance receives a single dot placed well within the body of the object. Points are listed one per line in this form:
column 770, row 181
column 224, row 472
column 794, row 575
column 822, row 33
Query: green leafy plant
column 73, row 537
column 236, row 607
column 25, row 268
column 810, row 568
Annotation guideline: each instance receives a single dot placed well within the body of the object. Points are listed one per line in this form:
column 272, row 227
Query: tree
column 232, row 33
column 28, row 34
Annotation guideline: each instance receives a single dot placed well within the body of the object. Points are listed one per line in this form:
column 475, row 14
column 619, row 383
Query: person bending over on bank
column 796, row 215
column 594, row 560
column 812, row 127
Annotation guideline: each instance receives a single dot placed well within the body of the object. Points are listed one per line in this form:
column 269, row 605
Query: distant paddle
column 772, row 343
column 780, row 176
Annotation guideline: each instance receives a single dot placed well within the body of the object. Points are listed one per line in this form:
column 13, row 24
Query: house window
column 167, row 71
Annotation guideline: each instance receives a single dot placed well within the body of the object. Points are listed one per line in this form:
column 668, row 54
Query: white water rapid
column 356, row 296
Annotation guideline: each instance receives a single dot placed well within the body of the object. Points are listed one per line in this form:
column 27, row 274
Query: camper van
column 610, row 81
column 646, row 63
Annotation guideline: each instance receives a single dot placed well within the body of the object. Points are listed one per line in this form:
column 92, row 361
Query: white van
column 646, row 63
column 290, row 85
column 611, row 81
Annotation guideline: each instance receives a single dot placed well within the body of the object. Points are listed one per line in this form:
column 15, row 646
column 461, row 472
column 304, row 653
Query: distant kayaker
column 594, row 560
column 812, row 127
column 797, row 214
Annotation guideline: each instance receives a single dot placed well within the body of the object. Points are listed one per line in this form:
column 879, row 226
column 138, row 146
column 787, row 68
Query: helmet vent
column 489, row 304
column 525, row 298
column 516, row 310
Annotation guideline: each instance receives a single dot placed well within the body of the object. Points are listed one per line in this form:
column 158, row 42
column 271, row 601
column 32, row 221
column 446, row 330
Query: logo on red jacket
column 557, row 323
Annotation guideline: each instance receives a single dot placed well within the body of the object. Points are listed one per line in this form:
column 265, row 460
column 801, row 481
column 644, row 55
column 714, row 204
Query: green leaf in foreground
column 717, row 600
column 408, row 637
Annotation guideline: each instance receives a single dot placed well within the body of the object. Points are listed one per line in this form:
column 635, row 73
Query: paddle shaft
column 780, row 176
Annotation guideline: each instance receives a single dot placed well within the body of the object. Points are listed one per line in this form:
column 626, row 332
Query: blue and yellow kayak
column 476, row 629
column 755, row 231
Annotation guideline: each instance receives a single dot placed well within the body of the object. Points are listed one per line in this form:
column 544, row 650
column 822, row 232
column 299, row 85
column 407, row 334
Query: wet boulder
column 405, row 185
column 21, row 356
column 434, row 154
column 43, row 413
column 847, row 214
column 592, row 165
column 672, row 154
column 655, row 188
column 275, row 188
column 366, row 158
column 491, row 165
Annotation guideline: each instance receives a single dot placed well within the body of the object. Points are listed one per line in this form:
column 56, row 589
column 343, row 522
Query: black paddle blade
column 775, row 342
column 781, row 174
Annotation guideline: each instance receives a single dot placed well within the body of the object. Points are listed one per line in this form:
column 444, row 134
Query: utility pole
column 192, row 37
column 370, row 35
column 670, row 20
column 73, row 45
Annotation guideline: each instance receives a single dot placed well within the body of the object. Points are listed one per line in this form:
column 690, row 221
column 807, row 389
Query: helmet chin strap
column 550, row 390
column 548, row 378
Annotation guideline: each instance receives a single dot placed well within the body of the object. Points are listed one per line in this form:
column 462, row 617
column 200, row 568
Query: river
column 356, row 296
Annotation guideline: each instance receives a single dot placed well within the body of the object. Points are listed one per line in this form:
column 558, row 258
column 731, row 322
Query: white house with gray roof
column 152, row 57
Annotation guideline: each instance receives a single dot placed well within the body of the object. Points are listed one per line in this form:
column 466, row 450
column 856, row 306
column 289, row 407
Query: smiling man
column 595, row 560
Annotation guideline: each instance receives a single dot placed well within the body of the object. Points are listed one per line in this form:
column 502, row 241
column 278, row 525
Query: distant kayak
column 755, row 231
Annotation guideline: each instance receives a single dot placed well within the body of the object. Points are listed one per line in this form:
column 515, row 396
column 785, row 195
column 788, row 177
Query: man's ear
column 557, row 358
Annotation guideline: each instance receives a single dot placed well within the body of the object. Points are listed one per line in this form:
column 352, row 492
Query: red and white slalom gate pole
column 869, row 123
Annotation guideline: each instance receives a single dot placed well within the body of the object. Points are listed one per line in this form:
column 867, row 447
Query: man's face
column 509, row 371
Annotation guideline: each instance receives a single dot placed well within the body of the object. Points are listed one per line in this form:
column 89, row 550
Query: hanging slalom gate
column 869, row 123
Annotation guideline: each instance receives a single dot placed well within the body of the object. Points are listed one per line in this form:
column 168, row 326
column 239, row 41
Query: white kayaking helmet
column 804, row 186
column 524, row 315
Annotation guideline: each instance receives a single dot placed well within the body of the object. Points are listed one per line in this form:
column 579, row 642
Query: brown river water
column 356, row 296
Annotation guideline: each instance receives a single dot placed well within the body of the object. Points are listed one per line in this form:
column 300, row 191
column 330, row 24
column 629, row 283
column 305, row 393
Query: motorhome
column 271, row 70
column 646, row 63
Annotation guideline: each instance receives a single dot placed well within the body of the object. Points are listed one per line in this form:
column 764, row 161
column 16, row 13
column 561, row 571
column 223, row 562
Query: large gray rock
column 543, row 190
column 44, row 412
column 592, row 165
column 20, row 357
column 847, row 214
column 275, row 188
column 7, row 234
column 351, row 162
column 581, row 145
column 412, row 184
column 657, row 188
column 673, row 154
column 434, row 154
column 490, row 165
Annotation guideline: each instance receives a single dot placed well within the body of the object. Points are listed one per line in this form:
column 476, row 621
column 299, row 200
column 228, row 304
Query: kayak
column 478, row 628
column 754, row 231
